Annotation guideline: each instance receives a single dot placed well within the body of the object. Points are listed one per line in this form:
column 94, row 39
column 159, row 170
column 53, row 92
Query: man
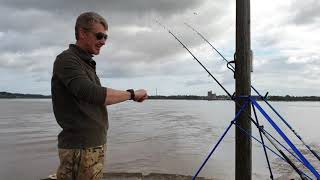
column 79, row 102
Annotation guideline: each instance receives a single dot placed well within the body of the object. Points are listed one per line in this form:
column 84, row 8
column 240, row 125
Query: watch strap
column 131, row 91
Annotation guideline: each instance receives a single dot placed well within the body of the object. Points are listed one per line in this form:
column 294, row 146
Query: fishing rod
column 262, row 97
column 195, row 58
column 232, row 98
column 261, row 137
column 302, row 175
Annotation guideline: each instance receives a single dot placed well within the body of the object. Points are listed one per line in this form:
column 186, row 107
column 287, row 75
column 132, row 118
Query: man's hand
column 140, row 95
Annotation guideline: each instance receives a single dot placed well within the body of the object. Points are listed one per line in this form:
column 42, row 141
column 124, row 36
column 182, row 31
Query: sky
column 141, row 54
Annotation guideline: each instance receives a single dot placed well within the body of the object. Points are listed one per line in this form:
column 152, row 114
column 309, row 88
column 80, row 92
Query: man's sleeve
column 70, row 72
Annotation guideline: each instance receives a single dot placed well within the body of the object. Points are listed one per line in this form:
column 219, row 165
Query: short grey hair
column 87, row 19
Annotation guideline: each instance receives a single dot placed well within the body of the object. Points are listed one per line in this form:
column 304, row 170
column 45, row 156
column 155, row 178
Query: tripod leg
column 223, row 135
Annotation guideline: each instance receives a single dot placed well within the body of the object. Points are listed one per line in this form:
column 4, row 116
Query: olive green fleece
column 78, row 100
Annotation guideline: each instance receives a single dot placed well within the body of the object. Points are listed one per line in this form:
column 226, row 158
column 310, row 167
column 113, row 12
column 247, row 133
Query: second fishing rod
column 231, row 97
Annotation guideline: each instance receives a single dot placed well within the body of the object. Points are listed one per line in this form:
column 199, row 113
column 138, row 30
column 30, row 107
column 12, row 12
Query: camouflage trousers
column 81, row 164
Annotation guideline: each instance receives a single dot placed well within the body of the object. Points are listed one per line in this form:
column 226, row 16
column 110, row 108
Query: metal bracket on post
column 265, row 96
column 251, row 60
column 235, row 65
column 229, row 66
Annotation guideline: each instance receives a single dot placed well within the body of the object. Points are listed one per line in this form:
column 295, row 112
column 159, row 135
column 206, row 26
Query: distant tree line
column 293, row 98
column 189, row 97
column 8, row 95
column 223, row 97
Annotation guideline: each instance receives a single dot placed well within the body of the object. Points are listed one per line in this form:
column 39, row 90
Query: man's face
column 95, row 38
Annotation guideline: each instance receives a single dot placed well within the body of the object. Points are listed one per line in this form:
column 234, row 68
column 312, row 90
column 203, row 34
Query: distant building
column 211, row 96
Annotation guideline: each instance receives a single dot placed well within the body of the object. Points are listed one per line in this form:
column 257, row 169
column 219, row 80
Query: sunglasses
column 100, row 35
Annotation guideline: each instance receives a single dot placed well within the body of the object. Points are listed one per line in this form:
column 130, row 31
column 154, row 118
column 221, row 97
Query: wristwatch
column 131, row 91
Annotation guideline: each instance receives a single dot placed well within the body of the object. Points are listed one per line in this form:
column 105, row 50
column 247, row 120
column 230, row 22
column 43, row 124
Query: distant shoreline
column 7, row 95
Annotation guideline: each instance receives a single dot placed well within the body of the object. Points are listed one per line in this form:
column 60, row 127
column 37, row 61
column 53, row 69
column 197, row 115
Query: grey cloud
column 171, row 67
column 266, row 40
column 150, row 45
column 306, row 12
column 153, row 44
column 25, row 20
column 196, row 82
column 137, row 46
column 164, row 7
column 33, row 32
column 37, row 63
column 25, row 43
column 14, row 61
column 277, row 64
column 26, row 30
column 43, row 77
column 39, row 24
column 278, row 73
column 226, row 79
